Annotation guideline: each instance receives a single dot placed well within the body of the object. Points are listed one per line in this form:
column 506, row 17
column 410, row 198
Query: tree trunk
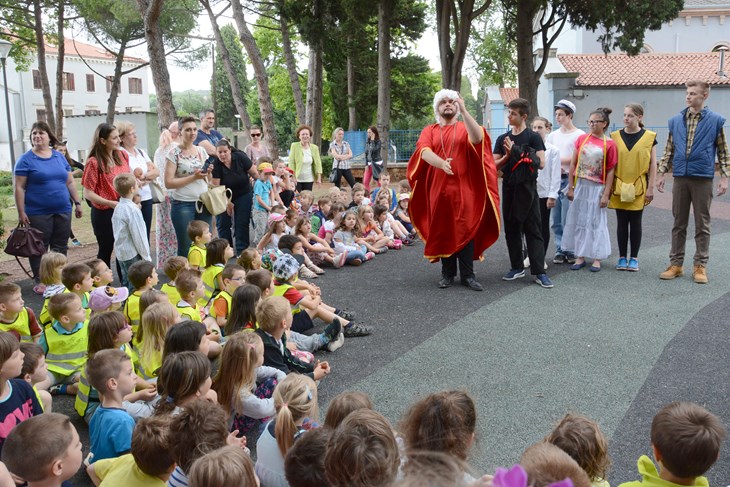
column 45, row 85
column 236, row 88
column 528, row 83
column 385, row 12
column 291, row 67
column 313, row 115
column 111, row 107
column 59, row 70
column 262, row 79
column 151, row 10
column 351, row 108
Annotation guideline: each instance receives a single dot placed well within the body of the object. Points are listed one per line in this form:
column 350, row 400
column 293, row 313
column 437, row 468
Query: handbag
column 333, row 175
column 158, row 194
column 215, row 200
column 25, row 241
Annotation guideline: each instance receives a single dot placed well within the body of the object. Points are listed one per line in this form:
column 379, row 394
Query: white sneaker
column 335, row 344
column 305, row 273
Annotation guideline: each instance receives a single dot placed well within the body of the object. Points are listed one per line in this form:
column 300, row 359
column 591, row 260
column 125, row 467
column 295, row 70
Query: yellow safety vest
column 21, row 325
column 196, row 256
column 210, row 282
column 148, row 370
column 131, row 310
column 46, row 319
column 171, row 292
column 280, row 290
column 86, row 393
column 66, row 352
column 188, row 311
column 632, row 169
column 229, row 300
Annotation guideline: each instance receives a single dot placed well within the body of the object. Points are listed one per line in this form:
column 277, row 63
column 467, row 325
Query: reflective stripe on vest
column 131, row 311
column 21, row 325
column 66, row 353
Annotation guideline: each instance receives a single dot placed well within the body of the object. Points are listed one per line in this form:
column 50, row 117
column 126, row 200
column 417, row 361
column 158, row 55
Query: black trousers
column 305, row 186
column 545, row 222
column 530, row 227
column 347, row 174
column 465, row 259
column 628, row 225
column 101, row 222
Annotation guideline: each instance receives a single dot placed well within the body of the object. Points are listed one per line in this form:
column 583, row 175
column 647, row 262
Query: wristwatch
column 77, row 203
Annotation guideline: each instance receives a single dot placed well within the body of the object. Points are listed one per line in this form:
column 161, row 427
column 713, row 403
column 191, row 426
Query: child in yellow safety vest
column 189, row 285
column 65, row 342
column 172, row 267
column 52, row 264
column 15, row 317
column 232, row 276
column 218, row 252
column 77, row 279
column 199, row 233
column 142, row 275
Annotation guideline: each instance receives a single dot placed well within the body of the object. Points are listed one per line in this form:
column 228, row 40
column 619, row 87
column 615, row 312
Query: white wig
column 439, row 97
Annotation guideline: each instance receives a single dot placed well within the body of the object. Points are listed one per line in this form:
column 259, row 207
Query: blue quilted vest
column 700, row 162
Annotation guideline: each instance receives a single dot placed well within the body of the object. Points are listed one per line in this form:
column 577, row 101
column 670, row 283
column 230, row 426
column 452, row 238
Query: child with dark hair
column 15, row 317
column 686, row 440
column 217, row 252
column 189, row 285
column 582, row 439
column 199, row 233
column 232, row 277
column 77, row 279
column 188, row 336
column 142, row 277
column 304, row 462
column 172, row 267
column 35, row 373
column 183, row 378
column 100, row 272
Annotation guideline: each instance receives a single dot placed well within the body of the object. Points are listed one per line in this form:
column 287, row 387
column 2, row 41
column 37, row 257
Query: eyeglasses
column 255, row 135
column 594, row 122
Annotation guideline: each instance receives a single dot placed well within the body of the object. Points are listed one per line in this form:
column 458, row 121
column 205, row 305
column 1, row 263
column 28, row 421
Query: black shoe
column 357, row 330
column 472, row 283
column 346, row 314
column 446, row 282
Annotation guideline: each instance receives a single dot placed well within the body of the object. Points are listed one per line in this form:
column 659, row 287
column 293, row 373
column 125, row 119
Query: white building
column 85, row 93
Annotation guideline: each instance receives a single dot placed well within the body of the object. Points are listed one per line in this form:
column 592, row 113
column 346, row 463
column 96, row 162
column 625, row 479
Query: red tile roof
column 509, row 94
column 75, row 48
column 645, row 69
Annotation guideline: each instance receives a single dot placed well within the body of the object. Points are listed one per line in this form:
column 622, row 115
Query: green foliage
column 326, row 165
column 223, row 95
column 492, row 51
column 413, row 85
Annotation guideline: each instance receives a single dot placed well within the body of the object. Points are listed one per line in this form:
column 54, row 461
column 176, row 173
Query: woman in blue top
column 43, row 184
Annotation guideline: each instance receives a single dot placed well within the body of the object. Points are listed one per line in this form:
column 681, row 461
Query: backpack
column 524, row 165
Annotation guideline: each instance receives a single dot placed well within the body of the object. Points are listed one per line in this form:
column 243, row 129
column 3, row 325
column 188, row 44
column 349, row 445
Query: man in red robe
column 455, row 200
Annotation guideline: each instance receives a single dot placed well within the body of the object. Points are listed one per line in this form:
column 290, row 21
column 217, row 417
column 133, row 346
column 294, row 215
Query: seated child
column 362, row 451
column 51, row 462
column 546, row 464
column 199, row 233
column 401, row 212
column 183, row 378
column 371, row 236
column 274, row 319
column 348, row 238
column 35, row 373
column 334, row 217
column 101, row 274
column 358, row 195
column 15, row 317
column 52, row 264
column 380, row 213
column 344, row 197
column 65, row 343
column 582, row 439
column 189, row 284
column 686, row 440
column 242, row 315
column 250, row 259
column 200, row 428
column 19, row 400
column 295, row 401
column 107, row 298
column 223, row 467
column 399, row 230
column 306, row 308
column 304, row 462
column 217, row 253
column 157, row 319
column 77, row 279
column 343, row 404
column 172, row 267
column 186, row 336
column 131, row 243
column 142, row 277
column 275, row 228
column 385, row 186
column 149, row 464
column 306, row 199
column 290, row 218
column 232, row 277
column 324, row 205
column 243, row 385
column 317, row 249
column 111, row 373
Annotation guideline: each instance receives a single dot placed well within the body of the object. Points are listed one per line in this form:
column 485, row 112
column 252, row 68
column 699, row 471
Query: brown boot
column 700, row 274
column 672, row 272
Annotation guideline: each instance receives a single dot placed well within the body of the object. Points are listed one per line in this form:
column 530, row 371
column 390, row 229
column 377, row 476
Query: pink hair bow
column 517, row 477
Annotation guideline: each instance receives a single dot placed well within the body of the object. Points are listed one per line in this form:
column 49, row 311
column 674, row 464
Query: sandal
column 58, row 389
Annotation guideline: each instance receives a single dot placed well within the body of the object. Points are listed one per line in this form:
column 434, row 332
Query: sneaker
column 544, row 281
column 700, row 274
column 331, row 335
column 315, row 269
column 356, row 262
column 305, row 273
column 623, row 264
column 336, row 343
column 75, row 242
column 672, row 272
column 346, row 314
column 407, row 242
column 633, row 265
column 39, row 289
column 514, row 274
column 570, row 259
column 357, row 330
column 339, row 260
column 369, row 256
column 559, row 259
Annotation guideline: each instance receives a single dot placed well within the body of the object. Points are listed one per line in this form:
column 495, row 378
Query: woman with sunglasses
column 256, row 148
column 590, row 181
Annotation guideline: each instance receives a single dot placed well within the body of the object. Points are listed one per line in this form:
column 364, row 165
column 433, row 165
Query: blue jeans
column 182, row 213
column 560, row 214
column 240, row 222
column 124, row 266
column 356, row 254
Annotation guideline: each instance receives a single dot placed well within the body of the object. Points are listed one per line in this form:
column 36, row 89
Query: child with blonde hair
column 107, row 298
column 582, row 439
column 250, row 259
column 546, row 464
column 346, row 240
column 317, row 249
column 243, row 384
column 276, row 227
column 306, row 201
column 371, row 236
column 52, row 263
column 222, row 468
column 156, row 320
column 343, row 404
column 295, row 402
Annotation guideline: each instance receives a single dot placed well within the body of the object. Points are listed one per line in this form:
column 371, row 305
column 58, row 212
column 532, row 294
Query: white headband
column 439, row 97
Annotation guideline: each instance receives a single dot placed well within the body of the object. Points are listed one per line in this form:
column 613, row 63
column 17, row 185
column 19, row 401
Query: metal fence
column 403, row 142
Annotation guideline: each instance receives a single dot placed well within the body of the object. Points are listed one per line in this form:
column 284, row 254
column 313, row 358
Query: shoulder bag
column 215, row 200
column 25, row 241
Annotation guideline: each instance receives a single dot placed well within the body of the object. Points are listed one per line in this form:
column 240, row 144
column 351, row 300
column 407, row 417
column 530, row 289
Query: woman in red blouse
column 105, row 162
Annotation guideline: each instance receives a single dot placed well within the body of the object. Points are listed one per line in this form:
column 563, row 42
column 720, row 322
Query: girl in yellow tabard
column 633, row 182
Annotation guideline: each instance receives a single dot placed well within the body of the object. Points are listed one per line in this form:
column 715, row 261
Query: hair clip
column 309, row 393
column 170, row 400
column 517, row 477
column 252, row 346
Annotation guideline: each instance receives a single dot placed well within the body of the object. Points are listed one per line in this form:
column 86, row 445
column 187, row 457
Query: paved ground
column 613, row 345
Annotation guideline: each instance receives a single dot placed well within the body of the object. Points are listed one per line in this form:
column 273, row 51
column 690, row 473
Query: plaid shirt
column 341, row 150
column 692, row 119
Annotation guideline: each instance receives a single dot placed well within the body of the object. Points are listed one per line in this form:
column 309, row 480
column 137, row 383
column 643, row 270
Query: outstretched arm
column 476, row 134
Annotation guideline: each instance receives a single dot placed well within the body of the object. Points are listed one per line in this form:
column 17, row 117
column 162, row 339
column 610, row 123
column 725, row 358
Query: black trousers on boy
column 465, row 259
column 522, row 216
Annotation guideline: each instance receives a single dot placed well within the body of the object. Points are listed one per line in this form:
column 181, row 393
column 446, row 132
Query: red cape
column 449, row 211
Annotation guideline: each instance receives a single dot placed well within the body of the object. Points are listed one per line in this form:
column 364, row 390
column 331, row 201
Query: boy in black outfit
column 520, row 202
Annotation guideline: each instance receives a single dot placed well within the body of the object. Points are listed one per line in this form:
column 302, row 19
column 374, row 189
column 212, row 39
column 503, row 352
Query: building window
column 67, row 112
column 92, row 111
column 40, row 115
column 36, row 79
column 68, row 82
column 135, row 86
column 90, row 83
